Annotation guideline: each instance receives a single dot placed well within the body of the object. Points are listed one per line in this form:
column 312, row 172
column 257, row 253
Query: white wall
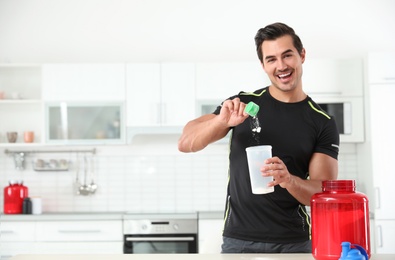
column 185, row 30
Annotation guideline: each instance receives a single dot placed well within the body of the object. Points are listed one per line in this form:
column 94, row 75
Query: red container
column 13, row 198
column 338, row 214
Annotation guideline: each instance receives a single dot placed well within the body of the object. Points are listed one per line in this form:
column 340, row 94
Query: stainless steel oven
column 160, row 233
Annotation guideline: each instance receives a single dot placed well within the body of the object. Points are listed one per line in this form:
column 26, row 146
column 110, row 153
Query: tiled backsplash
column 140, row 178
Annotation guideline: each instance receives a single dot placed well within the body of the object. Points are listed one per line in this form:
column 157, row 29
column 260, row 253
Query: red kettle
column 14, row 194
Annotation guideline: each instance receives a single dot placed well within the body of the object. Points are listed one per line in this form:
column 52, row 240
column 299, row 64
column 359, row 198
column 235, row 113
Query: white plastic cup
column 256, row 156
column 37, row 206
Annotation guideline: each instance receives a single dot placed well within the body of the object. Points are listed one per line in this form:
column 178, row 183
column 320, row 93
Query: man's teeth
column 284, row 75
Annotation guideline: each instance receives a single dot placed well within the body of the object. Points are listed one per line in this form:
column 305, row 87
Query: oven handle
column 160, row 239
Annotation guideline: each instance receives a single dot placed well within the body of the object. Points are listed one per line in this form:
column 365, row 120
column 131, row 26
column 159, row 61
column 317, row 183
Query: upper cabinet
column 160, row 94
column 220, row 80
column 144, row 97
column 343, row 77
column 20, row 99
column 84, row 82
column 85, row 123
column 381, row 68
column 84, row 103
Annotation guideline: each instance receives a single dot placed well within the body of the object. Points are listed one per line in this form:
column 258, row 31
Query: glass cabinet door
column 76, row 123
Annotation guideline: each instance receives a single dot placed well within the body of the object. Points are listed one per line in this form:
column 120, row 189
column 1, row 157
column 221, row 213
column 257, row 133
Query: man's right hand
column 232, row 112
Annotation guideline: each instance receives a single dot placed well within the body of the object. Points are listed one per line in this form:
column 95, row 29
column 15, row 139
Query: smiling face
column 283, row 65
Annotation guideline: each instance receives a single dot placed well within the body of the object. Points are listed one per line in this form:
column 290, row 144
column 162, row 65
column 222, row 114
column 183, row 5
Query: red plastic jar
column 338, row 214
column 13, row 198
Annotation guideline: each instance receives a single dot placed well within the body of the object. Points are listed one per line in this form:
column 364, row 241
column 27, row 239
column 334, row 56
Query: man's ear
column 263, row 67
column 303, row 54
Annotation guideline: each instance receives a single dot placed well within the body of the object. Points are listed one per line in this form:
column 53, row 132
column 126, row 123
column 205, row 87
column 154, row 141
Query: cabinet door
column 52, row 231
column 333, row 77
column 143, row 94
column 381, row 67
column 385, row 234
column 78, row 122
column 178, row 93
column 160, row 94
column 383, row 142
column 220, row 80
column 87, row 247
column 15, row 231
column 83, row 82
column 210, row 236
column 10, row 249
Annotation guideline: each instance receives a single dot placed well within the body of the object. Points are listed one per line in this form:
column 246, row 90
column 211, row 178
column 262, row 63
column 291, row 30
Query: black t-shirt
column 295, row 131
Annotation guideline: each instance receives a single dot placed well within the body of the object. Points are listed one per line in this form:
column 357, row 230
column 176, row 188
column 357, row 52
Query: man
column 305, row 143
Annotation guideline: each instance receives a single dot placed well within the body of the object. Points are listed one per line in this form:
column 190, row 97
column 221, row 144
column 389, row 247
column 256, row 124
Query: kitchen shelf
column 20, row 101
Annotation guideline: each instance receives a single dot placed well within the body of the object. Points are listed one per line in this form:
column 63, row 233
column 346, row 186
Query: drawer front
column 17, row 231
column 79, row 231
column 77, row 247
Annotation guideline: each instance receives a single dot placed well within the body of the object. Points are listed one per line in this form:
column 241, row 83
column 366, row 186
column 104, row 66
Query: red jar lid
column 338, row 185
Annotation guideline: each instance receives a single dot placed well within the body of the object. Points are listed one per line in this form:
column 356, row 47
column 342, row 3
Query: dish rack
column 51, row 165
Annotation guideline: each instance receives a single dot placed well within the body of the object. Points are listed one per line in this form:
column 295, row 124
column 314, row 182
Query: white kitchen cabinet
column 16, row 231
column 160, row 94
column 143, row 94
column 20, row 98
column 84, row 82
column 80, row 237
column 383, row 141
column 97, row 248
column 220, row 80
column 85, row 123
column 381, row 68
column 384, row 237
column 58, row 236
column 210, row 236
column 17, row 237
column 10, row 249
column 381, row 92
column 333, row 77
column 178, row 93
column 83, row 230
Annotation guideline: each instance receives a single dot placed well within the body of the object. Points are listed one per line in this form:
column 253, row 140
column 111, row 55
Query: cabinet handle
column 164, row 114
column 149, row 239
column 159, row 113
column 7, row 232
column 80, row 231
column 379, row 236
column 377, row 192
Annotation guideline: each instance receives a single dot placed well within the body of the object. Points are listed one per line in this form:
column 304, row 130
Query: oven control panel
column 174, row 226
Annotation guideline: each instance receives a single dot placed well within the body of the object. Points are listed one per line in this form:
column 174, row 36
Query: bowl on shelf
column 12, row 137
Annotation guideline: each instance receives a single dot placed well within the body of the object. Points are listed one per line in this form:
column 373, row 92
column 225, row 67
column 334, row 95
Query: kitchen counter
column 106, row 216
column 63, row 216
column 184, row 257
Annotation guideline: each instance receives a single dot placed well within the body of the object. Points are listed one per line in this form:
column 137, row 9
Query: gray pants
column 232, row 245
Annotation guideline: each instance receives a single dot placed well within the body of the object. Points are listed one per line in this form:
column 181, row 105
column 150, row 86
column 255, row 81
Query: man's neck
column 292, row 96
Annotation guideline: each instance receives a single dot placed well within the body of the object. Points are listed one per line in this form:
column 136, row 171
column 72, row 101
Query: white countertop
column 63, row 216
column 105, row 216
column 184, row 257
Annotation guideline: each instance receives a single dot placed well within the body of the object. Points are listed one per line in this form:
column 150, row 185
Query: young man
column 305, row 145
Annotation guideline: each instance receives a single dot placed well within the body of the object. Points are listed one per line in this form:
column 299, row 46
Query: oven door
column 160, row 244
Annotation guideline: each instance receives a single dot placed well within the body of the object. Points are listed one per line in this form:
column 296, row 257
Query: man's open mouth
column 284, row 76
